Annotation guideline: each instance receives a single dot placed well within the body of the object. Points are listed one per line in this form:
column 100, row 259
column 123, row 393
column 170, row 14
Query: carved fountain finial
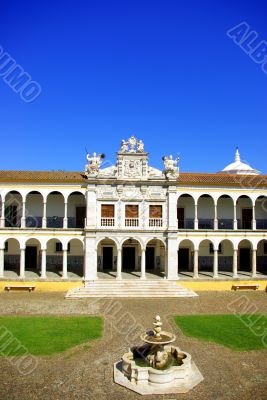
column 158, row 326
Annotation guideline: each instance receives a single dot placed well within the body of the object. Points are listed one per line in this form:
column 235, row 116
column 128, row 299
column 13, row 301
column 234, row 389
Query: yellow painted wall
column 220, row 285
column 196, row 286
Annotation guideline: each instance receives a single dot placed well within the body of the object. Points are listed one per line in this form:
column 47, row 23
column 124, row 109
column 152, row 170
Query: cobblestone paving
column 85, row 372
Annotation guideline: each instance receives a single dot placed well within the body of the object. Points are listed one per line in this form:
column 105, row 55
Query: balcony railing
column 131, row 222
column 33, row 222
column 187, row 223
column 107, row 221
column 75, row 223
column 12, row 224
column 244, row 224
column 54, row 222
column 261, row 224
column 205, row 223
column 155, row 222
column 225, row 224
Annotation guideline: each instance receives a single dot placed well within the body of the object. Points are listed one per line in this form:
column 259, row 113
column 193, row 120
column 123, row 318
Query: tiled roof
column 41, row 176
column 222, row 179
column 185, row 178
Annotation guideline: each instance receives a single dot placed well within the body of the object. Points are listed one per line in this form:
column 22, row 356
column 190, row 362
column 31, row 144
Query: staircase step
column 131, row 289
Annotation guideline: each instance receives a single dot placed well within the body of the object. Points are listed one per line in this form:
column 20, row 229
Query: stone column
column 119, row 263
column 157, row 256
column 2, row 260
column 3, row 215
column 23, row 216
column 143, row 264
column 196, row 218
column 43, row 266
column 215, row 263
column 195, row 264
column 90, row 259
column 254, row 263
column 254, row 224
column 235, row 263
column 65, row 264
column 65, row 219
column 22, row 263
column 91, row 207
column 235, row 220
column 172, row 208
column 172, row 258
column 215, row 216
column 44, row 222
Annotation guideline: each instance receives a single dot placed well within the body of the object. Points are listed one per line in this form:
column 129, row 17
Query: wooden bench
column 249, row 287
column 19, row 287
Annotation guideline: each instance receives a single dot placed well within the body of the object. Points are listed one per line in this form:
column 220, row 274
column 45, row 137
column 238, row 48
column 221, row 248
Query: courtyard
column 85, row 371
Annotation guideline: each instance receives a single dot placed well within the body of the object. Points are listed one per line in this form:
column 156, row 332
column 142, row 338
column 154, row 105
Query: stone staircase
column 130, row 288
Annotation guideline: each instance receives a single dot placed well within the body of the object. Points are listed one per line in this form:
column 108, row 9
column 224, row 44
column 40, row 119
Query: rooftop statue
column 170, row 166
column 94, row 163
column 132, row 145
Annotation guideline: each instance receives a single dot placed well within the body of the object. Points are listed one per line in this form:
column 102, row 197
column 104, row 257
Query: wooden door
column 80, row 216
column 246, row 218
column 180, row 217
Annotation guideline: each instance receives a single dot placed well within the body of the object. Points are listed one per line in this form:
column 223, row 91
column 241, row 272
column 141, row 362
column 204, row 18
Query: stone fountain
column 157, row 367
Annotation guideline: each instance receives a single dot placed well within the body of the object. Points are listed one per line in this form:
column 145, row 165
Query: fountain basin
column 157, row 367
column 146, row 375
column 148, row 380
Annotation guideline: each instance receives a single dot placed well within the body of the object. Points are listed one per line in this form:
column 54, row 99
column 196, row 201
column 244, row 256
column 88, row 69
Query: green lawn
column 241, row 333
column 47, row 335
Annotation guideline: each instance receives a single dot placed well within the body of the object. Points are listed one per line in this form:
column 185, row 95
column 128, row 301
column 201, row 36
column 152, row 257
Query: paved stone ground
column 85, row 372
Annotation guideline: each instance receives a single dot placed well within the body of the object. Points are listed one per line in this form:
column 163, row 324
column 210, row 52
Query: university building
column 131, row 219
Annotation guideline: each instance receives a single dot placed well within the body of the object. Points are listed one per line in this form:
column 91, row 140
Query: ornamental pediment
column 132, row 164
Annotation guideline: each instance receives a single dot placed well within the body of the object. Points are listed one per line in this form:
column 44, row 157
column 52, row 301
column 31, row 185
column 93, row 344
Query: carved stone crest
column 132, row 145
column 132, row 168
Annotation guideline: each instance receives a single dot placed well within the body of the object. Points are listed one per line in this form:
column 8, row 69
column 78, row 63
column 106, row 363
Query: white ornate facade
column 133, row 218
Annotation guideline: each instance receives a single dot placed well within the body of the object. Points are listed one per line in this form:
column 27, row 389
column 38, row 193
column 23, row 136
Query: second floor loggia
column 56, row 211
column 35, row 211
column 225, row 213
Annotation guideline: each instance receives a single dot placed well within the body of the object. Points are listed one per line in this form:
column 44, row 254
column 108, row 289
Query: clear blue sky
column 164, row 71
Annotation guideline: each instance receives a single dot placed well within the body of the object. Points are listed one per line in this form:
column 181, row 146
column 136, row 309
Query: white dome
column 239, row 167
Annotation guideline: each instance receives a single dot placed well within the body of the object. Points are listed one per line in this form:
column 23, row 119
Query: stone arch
column 262, row 256
column 225, row 211
column 261, row 212
column 32, row 256
column 205, row 255
column 12, row 248
column 186, row 211
column 34, row 209
column 131, row 238
column 245, row 247
column 186, row 249
column 55, row 206
column 75, row 260
column 131, row 255
column 13, row 208
column 54, row 257
column 225, row 256
column 76, row 212
column 155, row 256
column 205, row 211
column 244, row 212
column 107, row 253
